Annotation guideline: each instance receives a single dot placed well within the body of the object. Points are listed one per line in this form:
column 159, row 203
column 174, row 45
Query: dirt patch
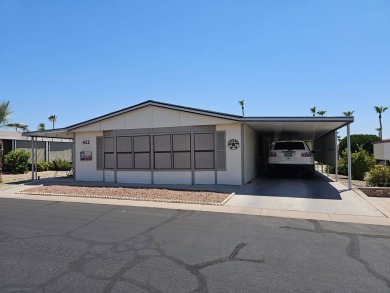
column 152, row 194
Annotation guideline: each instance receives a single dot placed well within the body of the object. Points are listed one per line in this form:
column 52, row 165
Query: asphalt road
column 71, row 247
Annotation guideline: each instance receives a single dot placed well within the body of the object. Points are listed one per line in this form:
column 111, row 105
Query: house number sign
column 233, row 144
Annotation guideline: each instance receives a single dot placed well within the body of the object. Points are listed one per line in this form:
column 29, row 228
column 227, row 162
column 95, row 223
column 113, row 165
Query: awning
column 305, row 128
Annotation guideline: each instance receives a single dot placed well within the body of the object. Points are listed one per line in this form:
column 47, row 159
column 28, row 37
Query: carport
column 321, row 132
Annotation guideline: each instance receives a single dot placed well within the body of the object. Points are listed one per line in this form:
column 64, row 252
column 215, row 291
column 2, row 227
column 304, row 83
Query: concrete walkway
column 364, row 210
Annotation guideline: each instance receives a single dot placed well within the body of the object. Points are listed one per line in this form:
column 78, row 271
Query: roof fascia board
column 44, row 132
column 346, row 119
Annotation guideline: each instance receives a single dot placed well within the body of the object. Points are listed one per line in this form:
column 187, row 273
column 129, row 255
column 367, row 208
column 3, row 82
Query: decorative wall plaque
column 86, row 156
column 233, row 144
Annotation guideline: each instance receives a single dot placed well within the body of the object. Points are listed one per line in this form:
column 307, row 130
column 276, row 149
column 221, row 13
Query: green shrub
column 17, row 161
column 343, row 166
column 359, row 140
column 361, row 162
column 379, row 176
column 43, row 166
column 61, row 165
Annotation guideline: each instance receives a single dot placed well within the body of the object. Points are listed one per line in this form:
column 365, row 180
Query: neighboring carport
column 55, row 133
column 321, row 131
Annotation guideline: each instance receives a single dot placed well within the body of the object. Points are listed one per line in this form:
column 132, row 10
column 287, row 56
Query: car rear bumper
column 301, row 167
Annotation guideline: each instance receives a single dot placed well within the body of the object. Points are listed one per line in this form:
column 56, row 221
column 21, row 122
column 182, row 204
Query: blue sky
column 82, row 59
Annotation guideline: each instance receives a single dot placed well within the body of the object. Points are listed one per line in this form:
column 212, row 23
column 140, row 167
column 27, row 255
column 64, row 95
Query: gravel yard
column 154, row 194
column 10, row 180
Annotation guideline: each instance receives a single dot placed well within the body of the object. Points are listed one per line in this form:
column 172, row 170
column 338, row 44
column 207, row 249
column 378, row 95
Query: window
column 170, row 151
column 289, row 145
column 141, row 152
column 204, row 151
column 181, row 151
column 162, row 152
column 109, row 153
column 124, row 151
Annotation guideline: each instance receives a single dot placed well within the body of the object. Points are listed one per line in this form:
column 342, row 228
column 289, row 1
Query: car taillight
column 272, row 154
column 306, row 154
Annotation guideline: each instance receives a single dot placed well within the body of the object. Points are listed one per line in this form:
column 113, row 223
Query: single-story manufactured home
column 160, row 143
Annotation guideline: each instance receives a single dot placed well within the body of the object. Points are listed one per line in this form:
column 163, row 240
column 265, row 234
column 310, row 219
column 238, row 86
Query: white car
column 292, row 155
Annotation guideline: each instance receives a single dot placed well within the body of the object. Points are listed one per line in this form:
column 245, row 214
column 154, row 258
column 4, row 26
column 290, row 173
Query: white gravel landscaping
column 151, row 194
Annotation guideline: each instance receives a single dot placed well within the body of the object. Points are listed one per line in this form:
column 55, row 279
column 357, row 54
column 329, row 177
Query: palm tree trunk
column 380, row 126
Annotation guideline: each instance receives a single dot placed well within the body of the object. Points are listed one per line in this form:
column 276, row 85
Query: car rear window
column 289, row 145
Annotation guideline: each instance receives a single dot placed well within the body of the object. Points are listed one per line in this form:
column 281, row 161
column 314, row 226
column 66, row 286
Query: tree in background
column 53, row 119
column 380, row 110
column 321, row 113
column 348, row 113
column 242, row 106
column 17, row 126
column 41, row 126
column 313, row 111
column 5, row 113
column 359, row 140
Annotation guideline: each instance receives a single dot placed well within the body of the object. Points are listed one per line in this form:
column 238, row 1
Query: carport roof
column 273, row 127
column 306, row 128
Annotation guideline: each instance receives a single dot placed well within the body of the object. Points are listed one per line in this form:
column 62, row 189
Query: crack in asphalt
column 137, row 248
column 353, row 248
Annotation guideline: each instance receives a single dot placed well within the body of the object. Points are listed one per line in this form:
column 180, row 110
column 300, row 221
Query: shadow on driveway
column 293, row 186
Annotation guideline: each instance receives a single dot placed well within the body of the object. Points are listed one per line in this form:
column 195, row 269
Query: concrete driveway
column 317, row 195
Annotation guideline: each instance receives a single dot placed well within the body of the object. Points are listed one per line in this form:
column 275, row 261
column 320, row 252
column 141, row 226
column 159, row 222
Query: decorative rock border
column 376, row 191
column 131, row 198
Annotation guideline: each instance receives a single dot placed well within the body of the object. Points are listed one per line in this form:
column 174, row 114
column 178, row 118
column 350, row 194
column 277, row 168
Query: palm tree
column 313, row 111
column 380, row 110
column 23, row 127
column 5, row 113
column 348, row 113
column 321, row 113
column 379, row 131
column 242, row 106
column 17, row 126
column 41, row 126
column 53, row 119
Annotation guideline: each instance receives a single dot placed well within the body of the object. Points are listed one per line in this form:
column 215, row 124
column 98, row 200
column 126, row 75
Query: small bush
column 61, row 165
column 361, row 162
column 17, row 161
column 43, row 166
column 343, row 166
column 379, row 176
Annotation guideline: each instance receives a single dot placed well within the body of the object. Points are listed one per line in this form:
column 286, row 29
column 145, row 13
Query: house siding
column 250, row 154
column 232, row 175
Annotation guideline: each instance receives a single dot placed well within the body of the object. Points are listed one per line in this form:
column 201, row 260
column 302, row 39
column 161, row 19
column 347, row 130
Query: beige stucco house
column 160, row 143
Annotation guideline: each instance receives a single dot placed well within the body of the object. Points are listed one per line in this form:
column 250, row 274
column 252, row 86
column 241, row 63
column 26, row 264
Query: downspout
column 349, row 157
column 242, row 155
column 336, row 166
column 32, row 158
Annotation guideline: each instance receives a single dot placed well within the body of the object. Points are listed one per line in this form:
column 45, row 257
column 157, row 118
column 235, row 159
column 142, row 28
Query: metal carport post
column 32, row 158
column 349, row 157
